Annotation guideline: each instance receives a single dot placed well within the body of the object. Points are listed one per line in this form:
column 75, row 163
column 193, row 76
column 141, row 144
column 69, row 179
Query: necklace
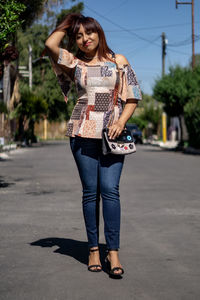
column 92, row 57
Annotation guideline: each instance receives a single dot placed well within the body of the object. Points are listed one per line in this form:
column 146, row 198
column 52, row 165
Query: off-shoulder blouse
column 95, row 86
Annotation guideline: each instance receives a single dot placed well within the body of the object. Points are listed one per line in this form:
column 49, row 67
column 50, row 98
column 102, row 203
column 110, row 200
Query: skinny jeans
column 100, row 176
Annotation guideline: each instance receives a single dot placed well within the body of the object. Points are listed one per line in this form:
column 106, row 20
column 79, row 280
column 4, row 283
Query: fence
column 50, row 130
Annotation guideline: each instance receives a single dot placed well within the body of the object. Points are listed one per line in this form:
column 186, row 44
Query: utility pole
column 164, row 116
column 193, row 50
column 30, row 65
column 164, row 42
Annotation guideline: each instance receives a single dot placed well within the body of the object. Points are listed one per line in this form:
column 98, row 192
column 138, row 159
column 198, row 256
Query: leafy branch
column 9, row 20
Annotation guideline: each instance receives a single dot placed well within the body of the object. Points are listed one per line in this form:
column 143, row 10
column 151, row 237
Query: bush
column 3, row 108
column 30, row 109
column 140, row 122
column 192, row 120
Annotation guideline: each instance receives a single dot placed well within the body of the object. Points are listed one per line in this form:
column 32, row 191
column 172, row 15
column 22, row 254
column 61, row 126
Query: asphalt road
column 43, row 249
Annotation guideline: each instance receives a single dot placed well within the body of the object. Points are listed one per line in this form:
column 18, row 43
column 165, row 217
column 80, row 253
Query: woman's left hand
column 115, row 129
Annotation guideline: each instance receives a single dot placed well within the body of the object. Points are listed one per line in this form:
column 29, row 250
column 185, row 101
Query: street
column 43, row 249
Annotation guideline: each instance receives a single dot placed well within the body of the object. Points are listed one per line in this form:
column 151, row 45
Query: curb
column 5, row 149
column 4, row 156
column 190, row 150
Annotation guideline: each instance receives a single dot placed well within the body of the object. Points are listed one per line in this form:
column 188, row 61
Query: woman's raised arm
column 53, row 42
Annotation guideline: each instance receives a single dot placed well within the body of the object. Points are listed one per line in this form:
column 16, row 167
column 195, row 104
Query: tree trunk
column 32, row 136
column 20, row 136
column 183, row 133
column 6, row 84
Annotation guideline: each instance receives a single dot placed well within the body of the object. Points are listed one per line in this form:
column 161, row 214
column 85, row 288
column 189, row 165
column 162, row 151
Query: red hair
column 71, row 25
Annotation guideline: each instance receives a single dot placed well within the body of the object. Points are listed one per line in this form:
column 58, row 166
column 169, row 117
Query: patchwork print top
column 95, row 85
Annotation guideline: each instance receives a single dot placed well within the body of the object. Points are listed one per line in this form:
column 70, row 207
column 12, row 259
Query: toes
column 117, row 271
column 94, row 268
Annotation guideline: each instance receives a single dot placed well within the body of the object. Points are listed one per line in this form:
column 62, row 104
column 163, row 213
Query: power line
column 176, row 44
column 168, row 60
column 139, row 49
column 184, row 42
column 116, row 7
column 130, row 32
column 115, row 24
column 150, row 28
column 179, row 52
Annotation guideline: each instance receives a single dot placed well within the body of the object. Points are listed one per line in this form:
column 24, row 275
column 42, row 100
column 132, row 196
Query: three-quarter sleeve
column 129, row 87
column 68, row 60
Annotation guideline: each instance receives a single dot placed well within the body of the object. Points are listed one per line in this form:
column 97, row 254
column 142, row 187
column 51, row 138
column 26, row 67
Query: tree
column 9, row 20
column 176, row 89
column 29, row 110
column 139, row 121
column 192, row 120
column 172, row 91
column 44, row 80
column 20, row 13
column 16, row 14
column 150, row 114
column 197, row 60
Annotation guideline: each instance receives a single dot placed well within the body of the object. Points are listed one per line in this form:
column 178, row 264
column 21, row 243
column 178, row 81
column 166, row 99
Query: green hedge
column 192, row 120
column 139, row 121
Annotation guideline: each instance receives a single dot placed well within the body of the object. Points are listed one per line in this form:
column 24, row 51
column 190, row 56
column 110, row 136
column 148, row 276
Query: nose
column 85, row 37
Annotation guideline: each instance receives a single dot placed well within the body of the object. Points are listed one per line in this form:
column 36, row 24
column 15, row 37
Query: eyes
column 80, row 35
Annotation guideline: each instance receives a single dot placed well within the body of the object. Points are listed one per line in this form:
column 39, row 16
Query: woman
column 95, row 71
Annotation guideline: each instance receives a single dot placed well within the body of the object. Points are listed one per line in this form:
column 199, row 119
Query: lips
column 87, row 44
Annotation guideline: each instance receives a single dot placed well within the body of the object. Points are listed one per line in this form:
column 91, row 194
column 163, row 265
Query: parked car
column 136, row 132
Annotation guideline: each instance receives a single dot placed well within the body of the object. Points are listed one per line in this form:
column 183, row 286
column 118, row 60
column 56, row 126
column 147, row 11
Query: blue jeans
column 100, row 175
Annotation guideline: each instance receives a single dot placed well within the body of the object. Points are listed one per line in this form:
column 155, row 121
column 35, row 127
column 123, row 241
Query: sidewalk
column 5, row 149
column 172, row 145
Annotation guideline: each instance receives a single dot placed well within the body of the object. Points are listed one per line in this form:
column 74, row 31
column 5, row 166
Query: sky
column 134, row 28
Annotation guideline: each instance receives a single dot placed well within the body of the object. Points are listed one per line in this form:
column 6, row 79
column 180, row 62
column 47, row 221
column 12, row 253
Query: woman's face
column 87, row 41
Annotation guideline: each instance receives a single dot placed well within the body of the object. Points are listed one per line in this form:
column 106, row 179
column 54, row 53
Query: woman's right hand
column 66, row 27
column 53, row 42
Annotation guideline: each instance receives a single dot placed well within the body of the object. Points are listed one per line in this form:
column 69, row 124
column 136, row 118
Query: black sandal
column 98, row 268
column 112, row 272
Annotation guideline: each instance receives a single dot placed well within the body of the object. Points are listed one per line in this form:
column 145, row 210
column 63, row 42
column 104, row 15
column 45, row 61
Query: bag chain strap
column 115, row 96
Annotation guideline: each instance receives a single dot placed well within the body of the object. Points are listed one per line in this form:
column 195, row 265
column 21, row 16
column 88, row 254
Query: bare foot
column 94, row 259
column 113, row 258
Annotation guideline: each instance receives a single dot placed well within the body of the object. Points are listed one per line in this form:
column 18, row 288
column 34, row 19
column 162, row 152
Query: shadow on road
column 73, row 248
column 4, row 184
